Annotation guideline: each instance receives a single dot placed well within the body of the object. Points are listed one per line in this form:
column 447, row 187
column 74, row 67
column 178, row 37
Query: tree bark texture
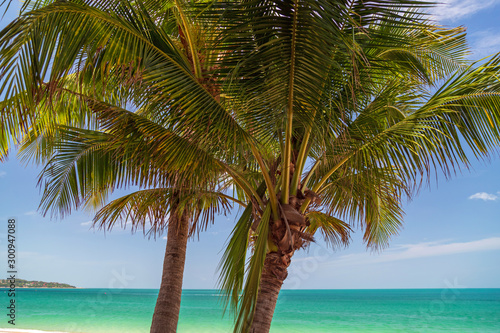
column 274, row 273
column 166, row 313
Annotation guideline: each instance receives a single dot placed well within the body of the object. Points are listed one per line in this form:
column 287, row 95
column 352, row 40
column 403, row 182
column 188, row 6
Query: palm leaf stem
column 241, row 203
column 310, row 173
column 270, row 186
column 188, row 34
column 301, row 160
column 304, row 148
column 285, row 190
column 317, row 187
column 243, row 183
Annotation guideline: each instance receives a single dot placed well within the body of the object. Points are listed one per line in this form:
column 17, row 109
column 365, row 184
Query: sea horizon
column 107, row 310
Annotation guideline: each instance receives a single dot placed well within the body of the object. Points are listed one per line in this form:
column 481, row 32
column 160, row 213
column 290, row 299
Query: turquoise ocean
column 394, row 310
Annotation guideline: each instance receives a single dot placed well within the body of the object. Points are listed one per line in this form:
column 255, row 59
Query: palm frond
column 149, row 210
column 98, row 41
column 254, row 270
column 232, row 263
column 335, row 231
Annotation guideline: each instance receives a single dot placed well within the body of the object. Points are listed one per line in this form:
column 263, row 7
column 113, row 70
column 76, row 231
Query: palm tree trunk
column 273, row 274
column 166, row 314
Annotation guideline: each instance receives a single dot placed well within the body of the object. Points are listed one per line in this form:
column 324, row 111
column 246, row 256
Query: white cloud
column 454, row 9
column 432, row 249
column 2, row 174
column 485, row 43
column 484, row 196
column 165, row 237
column 87, row 223
column 31, row 213
column 414, row 251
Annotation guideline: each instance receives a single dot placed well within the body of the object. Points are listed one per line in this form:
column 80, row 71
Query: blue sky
column 451, row 235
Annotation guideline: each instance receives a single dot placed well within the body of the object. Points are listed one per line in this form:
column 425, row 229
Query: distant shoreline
column 15, row 330
column 17, row 288
column 17, row 283
column 46, row 288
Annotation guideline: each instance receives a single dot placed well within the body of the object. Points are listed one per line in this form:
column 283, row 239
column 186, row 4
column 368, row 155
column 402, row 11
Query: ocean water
column 130, row 310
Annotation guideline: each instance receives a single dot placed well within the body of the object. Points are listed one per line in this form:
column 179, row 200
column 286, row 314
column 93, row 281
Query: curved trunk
column 273, row 274
column 166, row 314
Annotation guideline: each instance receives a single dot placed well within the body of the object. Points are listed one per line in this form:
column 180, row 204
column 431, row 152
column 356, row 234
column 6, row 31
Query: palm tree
column 78, row 125
column 357, row 104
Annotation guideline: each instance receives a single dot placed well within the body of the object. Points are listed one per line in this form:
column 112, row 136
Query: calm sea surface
column 130, row 310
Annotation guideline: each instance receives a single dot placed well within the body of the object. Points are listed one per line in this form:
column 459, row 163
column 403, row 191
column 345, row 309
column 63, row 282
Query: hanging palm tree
column 76, row 122
column 360, row 103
